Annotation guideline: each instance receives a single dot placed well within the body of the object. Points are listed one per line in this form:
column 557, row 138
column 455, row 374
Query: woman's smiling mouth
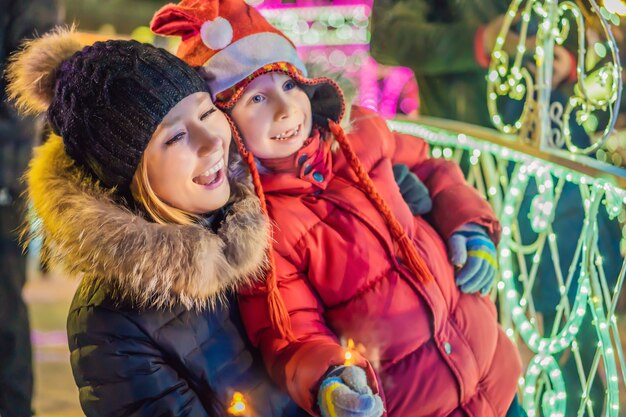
column 212, row 177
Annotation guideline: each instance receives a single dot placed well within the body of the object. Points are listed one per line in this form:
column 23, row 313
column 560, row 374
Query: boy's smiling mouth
column 288, row 134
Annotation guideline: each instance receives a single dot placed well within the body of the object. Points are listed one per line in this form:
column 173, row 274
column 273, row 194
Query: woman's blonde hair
column 159, row 210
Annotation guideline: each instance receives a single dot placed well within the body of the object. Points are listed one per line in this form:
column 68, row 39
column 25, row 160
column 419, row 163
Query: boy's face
column 273, row 115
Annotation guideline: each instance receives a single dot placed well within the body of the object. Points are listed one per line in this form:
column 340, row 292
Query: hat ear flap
column 173, row 20
column 327, row 101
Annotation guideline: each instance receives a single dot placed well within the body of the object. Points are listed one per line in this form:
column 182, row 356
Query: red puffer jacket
column 435, row 350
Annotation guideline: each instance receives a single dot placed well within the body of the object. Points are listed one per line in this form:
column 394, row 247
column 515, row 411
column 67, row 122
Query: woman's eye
column 208, row 113
column 175, row 138
column 289, row 85
column 257, row 98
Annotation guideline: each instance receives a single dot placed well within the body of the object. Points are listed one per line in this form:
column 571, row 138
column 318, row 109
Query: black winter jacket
column 153, row 329
column 159, row 362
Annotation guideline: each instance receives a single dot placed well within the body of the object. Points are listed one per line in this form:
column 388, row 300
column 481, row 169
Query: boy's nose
column 283, row 109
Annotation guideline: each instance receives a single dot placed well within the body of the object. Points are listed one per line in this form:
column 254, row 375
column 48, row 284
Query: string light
column 348, row 354
column 238, row 405
column 588, row 298
column 554, row 400
column 597, row 91
column 320, row 25
column 615, row 6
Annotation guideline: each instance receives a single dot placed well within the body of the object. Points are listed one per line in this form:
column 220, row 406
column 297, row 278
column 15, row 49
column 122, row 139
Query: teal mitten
column 345, row 393
column 413, row 190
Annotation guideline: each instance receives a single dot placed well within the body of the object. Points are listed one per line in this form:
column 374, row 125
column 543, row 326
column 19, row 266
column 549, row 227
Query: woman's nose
column 207, row 142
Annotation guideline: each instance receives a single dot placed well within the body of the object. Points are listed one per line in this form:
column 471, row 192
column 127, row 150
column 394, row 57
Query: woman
column 139, row 193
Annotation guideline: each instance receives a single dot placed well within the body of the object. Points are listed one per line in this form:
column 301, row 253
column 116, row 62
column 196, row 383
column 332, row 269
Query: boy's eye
column 289, row 85
column 208, row 113
column 257, row 98
column 175, row 138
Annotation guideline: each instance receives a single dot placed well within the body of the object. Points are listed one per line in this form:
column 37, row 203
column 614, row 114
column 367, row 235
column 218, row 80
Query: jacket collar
column 84, row 230
column 307, row 171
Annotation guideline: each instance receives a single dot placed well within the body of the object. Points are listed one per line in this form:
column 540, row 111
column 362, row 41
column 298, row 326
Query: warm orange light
column 237, row 405
column 349, row 357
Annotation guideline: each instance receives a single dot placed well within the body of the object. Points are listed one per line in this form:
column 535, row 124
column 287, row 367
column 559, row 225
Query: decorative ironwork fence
column 529, row 189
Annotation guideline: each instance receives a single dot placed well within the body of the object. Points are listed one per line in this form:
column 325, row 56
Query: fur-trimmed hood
column 147, row 264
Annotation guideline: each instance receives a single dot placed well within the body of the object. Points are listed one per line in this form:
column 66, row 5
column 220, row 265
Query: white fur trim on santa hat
column 246, row 55
column 216, row 34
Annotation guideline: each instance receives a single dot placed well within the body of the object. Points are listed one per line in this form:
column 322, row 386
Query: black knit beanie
column 109, row 99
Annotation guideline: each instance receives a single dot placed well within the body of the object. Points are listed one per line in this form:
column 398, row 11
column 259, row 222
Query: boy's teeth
column 288, row 134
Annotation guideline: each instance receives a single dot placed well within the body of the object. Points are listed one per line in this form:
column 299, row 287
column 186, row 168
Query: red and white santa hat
column 234, row 44
column 229, row 38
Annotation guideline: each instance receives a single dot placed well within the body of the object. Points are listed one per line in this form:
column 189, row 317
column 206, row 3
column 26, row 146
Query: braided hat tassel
column 409, row 253
column 279, row 315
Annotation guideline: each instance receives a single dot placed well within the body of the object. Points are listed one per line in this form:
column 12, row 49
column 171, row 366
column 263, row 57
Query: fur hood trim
column 84, row 230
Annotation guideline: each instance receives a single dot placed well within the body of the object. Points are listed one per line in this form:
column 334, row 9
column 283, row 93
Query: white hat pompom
column 32, row 71
column 216, row 34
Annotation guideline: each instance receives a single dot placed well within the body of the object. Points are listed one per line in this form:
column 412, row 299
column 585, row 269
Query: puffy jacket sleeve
column 120, row 372
column 296, row 366
column 455, row 202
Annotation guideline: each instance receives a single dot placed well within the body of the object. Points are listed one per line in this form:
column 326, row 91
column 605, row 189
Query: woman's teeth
column 287, row 135
column 210, row 175
column 214, row 168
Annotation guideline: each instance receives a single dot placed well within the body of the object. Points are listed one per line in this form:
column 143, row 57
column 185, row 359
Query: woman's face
column 187, row 156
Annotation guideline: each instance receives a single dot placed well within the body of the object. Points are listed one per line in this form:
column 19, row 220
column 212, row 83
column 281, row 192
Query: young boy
column 351, row 259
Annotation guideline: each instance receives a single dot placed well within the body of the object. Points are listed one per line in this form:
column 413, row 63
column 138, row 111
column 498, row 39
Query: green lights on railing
column 596, row 89
column 543, row 387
